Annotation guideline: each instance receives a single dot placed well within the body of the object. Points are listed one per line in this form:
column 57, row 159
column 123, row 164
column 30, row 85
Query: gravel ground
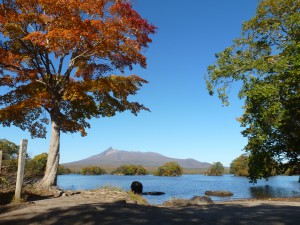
column 113, row 207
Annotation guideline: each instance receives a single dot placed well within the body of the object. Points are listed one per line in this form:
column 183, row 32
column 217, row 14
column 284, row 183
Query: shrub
column 169, row 169
column 36, row 167
column 63, row 170
column 92, row 170
column 239, row 166
column 217, row 169
column 9, row 165
column 131, row 170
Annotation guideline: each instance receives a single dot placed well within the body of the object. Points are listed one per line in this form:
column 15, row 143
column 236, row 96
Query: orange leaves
column 59, row 53
column 74, row 92
column 62, row 41
column 10, row 61
column 37, row 38
column 6, row 80
column 120, row 86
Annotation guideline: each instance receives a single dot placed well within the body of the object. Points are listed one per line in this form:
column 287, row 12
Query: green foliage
column 131, row 170
column 92, row 170
column 239, row 166
column 266, row 61
column 9, row 149
column 63, row 170
column 217, row 169
column 36, row 167
column 9, row 163
column 169, row 169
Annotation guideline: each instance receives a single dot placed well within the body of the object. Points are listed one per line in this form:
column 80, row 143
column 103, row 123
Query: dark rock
column 137, row 187
column 219, row 193
column 153, row 193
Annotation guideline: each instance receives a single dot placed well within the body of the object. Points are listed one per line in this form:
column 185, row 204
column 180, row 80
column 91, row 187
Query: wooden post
column 0, row 159
column 21, row 166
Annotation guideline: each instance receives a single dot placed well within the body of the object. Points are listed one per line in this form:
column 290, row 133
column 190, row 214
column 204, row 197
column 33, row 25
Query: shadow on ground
column 130, row 214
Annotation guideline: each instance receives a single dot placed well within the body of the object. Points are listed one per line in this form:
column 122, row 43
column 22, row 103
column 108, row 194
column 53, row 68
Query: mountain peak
column 109, row 151
column 116, row 157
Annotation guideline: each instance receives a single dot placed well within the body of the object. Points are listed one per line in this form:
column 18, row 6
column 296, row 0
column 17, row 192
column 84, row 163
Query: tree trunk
column 50, row 177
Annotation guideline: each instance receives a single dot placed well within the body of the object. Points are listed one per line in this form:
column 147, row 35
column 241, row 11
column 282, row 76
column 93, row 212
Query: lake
column 187, row 186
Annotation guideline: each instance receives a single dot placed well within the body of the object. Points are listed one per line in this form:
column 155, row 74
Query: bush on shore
column 92, row 170
column 130, row 170
column 217, row 169
column 169, row 169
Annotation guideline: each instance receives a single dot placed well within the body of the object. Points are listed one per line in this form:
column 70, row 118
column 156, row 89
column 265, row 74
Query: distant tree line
column 130, row 170
column 92, row 170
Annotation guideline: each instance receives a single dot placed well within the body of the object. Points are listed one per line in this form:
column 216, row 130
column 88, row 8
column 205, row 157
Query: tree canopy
column 239, row 166
column 130, row 170
column 216, row 169
column 92, row 170
column 266, row 61
column 169, row 169
column 36, row 167
column 58, row 64
column 9, row 149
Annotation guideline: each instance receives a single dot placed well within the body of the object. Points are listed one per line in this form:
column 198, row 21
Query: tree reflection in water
column 267, row 191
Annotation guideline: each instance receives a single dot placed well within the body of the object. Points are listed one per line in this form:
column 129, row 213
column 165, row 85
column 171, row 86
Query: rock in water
column 153, row 193
column 137, row 187
column 219, row 193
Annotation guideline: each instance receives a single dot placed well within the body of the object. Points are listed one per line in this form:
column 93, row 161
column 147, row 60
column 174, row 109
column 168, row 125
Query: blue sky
column 184, row 122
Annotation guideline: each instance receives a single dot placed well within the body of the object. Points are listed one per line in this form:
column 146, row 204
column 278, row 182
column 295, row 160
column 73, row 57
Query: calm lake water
column 187, row 186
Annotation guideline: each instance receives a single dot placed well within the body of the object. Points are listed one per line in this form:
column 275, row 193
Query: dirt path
column 88, row 209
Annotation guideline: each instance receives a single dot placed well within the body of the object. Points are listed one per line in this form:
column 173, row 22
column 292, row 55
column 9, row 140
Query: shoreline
column 111, row 207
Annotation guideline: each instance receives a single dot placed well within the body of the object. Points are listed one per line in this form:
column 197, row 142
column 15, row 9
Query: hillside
column 119, row 157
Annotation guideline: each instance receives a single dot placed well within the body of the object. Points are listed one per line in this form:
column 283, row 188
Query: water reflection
column 279, row 187
column 266, row 191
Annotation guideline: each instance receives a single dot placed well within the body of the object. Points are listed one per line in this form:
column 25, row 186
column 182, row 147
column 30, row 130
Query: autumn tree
column 169, row 169
column 265, row 60
column 216, row 169
column 239, row 166
column 58, row 65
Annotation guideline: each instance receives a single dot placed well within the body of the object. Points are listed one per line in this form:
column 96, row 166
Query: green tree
column 131, row 170
column 239, row 166
column 265, row 60
column 63, row 170
column 9, row 149
column 36, row 167
column 169, row 169
column 58, row 65
column 217, row 169
column 9, row 162
column 92, row 170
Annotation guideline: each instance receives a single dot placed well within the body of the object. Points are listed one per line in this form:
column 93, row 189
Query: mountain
column 119, row 157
